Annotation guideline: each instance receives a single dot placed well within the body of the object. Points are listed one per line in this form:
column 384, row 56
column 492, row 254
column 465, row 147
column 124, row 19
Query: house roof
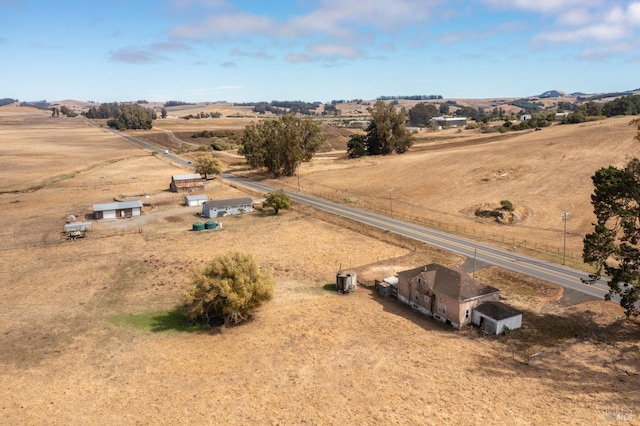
column 232, row 202
column 186, row 177
column 117, row 205
column 497, row 310
column 453, row 283
column 196, row 197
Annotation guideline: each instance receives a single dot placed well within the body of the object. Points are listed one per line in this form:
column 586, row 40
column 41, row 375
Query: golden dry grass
column 310, row 356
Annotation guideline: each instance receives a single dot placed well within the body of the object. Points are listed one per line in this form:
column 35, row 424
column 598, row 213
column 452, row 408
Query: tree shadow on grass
column 175, row 321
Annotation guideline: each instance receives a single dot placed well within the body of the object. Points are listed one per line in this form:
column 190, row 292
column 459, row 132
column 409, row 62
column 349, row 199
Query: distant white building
column 449, row 121
column 118, row 210
column 195, row 200
column 525, row 117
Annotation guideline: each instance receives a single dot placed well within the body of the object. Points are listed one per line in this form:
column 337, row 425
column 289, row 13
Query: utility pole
column 565, row 214
column 298, row 176
column 390, row 202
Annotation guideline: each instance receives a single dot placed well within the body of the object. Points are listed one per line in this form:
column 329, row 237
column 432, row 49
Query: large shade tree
column 281, row 144
column 207, row 164
column 278, row 200
column 613, row 247
column 227, row 291
column 386, row 133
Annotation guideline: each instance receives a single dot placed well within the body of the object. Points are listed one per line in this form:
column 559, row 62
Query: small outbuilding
column 494, row 317
column 195, row 200
column 388, row 286
column 346, row 281
column 221, row 208
column 120, row 210
column 187, row 183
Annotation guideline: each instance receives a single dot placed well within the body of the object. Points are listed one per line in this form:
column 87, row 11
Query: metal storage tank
column 346, row 281
column 210, row 224
column 198, row 226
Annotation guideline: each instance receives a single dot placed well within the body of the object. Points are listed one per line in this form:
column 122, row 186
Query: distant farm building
column 346, row 281
column 495, row 317
column 187, row 183
column 359, row 124
column 525, row 117
column 119, row 210
column 221, row 208
column 195, row 200
column 75, row 230
column 561, row 116
column 449, row 121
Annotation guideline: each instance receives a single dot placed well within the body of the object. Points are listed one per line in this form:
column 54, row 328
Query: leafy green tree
column 444, row 109
column 357, row 146
column 590, row 109
column 207, row 164
column 230, row 287
column 277, row 200
column 67, row 111
column 128, row 116
column 387, row 133
column 163, row 112
column 422, row 113
column 613, row 247
column 280, row 144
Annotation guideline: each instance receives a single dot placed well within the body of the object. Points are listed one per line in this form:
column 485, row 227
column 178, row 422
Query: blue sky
column 314, row 50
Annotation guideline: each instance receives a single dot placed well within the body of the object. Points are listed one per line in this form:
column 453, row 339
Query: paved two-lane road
column 480, row 253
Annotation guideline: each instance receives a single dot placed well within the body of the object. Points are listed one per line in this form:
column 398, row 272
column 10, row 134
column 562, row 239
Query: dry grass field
column 88, row 332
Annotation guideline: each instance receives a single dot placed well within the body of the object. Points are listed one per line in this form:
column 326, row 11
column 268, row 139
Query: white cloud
column 333, row 18
column 297, row 58
column 334, row 50
column 543, row 6
column 606, row 33
column 228, row 25
column 134, row 55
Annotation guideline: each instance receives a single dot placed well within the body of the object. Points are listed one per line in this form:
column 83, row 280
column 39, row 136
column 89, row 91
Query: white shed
column 118, row 210
column 195, row 200
column 493, row 317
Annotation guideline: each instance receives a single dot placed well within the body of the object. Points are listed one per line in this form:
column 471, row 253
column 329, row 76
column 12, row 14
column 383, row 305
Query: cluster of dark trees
column 283, row 107
column 527, row 105
column 65, row 110
column 385, row 134
column 281, row 144
column 7, row 101
column 123, row 116
column 603, row 96
column 176, row 103
column 36, row 104
column 626, row 105
column 202, row 115
column 409, row 98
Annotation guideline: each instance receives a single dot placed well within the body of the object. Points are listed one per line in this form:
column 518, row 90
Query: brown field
column 87, row 329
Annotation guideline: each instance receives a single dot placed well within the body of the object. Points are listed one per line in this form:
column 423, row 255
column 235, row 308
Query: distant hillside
column 552, row 94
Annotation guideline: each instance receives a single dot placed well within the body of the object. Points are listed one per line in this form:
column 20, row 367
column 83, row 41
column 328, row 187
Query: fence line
column 449, row 227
